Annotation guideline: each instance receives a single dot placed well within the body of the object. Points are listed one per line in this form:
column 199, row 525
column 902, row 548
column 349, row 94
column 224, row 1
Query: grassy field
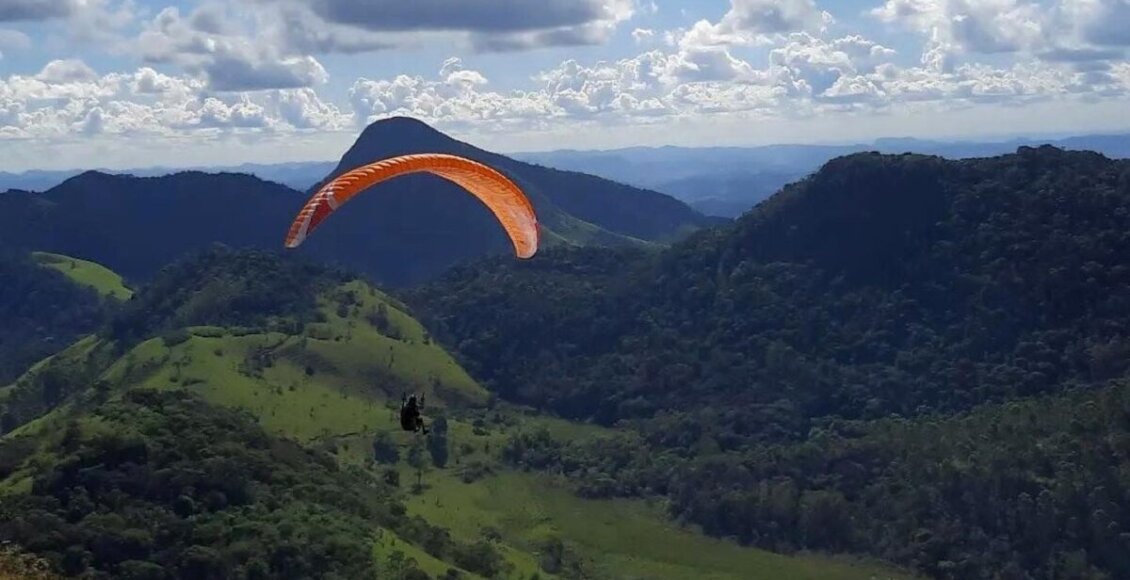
column 616, row 538
column 341, row 377
column 623, row 539
column 412, row 556
column 404, row 351
column 105, row 281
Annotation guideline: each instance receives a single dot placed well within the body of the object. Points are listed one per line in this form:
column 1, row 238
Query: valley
column 333, row 388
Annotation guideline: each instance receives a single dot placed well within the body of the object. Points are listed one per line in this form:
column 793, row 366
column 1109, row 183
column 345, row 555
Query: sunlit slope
column 335, row 378
column 103, row 280
column 624, row 539
column 51, row 382
column 340, row 377
column 542, row 526
column 331, row 377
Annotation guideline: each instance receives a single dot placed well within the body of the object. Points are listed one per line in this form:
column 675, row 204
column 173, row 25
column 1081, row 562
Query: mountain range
column 897, row 365
column 717, row 181
column 728, row 181
column 296, row 175
column 403, row 231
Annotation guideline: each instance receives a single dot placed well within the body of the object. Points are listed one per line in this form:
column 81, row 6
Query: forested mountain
column 891, row 263
column 800, row 378
column 437, row 223
column 410, row 230
column 618, row 208
column 137, row 225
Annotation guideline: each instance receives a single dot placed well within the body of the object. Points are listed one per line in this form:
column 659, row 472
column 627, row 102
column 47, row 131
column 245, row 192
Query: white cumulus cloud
column 210, row 44
column 67, row 97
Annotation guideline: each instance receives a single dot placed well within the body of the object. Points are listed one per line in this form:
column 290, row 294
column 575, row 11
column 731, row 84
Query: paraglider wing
column 504, row 199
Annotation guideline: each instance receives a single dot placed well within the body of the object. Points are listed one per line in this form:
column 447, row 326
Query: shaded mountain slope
column 410, row 230
column 418, row 225
column 135, row 225
column 42, row 312
column 893, row 264
column 618, row 208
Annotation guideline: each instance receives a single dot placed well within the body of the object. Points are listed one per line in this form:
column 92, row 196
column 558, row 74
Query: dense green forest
column 163, row 485
column 797, row 379
column 221, row 287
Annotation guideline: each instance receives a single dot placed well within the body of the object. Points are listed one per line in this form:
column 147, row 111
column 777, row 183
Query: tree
column 437, row 442
column 16, row 564
column 417, row 461
column 384, row 448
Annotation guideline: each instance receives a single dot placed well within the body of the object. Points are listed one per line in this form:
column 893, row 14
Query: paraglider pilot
column 410, row 419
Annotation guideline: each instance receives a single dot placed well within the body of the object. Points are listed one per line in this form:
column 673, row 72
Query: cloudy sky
column 128, row 83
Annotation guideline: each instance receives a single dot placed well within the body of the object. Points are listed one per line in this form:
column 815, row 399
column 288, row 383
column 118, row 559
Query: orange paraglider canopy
column 504, row 199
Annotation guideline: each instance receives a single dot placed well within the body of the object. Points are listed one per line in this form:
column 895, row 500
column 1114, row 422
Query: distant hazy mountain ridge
column 727, row 181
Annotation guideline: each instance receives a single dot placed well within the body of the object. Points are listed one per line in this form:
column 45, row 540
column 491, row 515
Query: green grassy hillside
column 542, row 526
column 103, row 280
column 338, row 377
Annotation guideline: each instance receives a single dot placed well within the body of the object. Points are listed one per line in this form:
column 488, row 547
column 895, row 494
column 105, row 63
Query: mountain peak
column 89, row 178
column 402, row 136
column 394, row 136
column 93, row 180
column 400, row 122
